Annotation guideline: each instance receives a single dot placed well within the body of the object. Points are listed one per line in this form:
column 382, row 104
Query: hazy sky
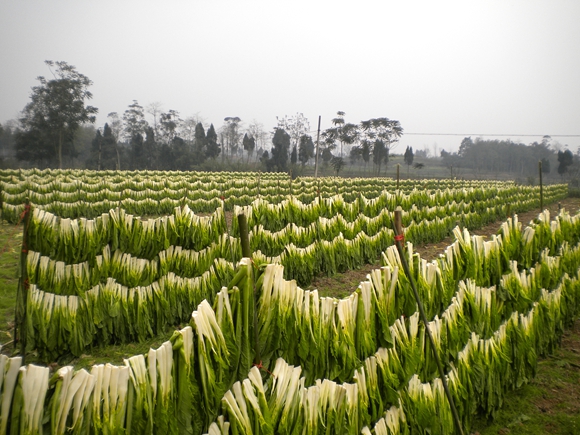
column 462, row 67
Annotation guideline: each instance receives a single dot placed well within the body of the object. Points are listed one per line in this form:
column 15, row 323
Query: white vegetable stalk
column 9, row 370
column 34, row 383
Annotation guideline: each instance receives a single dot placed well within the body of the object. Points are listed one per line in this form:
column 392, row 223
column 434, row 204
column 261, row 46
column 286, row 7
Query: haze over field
column 448, row 67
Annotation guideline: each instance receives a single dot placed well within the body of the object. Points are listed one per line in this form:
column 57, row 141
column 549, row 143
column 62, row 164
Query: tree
column 294, row 155
column 154, row 109
column 409, row 157
column 296, row 126
column 256, row 130
column 138, row 147
column 188, row 127
column 149, row 158
column 56, row 110
column 279, row 160
column 212, row 148
column 337, row 164
column 231, row 134
column 7, row 137
column 565, row 159
column 200, row 143
column 97, row 148
column 182, row 154
column 249, row 144
column 380, row 154
column 341, row 132
column 384, row 133
column 111, row 149
column 168, row 125
column 545, row 166
column 134, row 121
column 116, row 125
column 305, row 149
column 355, row 154
column 327, row 155
column 104, row 152
column 366, row 147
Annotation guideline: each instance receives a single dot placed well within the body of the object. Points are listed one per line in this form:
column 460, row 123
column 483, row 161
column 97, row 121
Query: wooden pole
column 317, row 149
column 541, row 187
column 398, row 220
column 398, row 174
column 22, row 292
column 244, row 235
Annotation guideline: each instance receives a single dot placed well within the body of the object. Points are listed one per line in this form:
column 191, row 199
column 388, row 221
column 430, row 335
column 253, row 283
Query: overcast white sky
column 465, row 67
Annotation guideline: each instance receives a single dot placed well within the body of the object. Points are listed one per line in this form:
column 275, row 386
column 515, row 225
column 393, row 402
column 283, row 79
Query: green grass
column 550, row 403
column 10, row 243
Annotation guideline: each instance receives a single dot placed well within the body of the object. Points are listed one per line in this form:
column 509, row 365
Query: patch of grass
column 10, row 243
column 550, row 403
column 342, row 284
column 113, row 354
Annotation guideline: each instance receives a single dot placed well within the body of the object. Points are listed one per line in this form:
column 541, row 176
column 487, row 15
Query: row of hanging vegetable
column 299, row 363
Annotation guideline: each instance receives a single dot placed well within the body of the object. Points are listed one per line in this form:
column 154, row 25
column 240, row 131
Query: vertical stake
column 399, row 220
column 244, row 235
column 317, row 149
column 398, row 175
column 23, row 285
column 541, row 187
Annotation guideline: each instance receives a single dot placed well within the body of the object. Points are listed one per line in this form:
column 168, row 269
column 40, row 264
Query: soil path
column 431, row 251
column 343, row 284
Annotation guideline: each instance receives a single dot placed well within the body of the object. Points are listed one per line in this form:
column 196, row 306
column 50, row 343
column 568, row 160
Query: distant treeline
column 482, row 155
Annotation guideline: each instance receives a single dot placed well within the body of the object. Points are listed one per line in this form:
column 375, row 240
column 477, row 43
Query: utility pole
column 317, row 149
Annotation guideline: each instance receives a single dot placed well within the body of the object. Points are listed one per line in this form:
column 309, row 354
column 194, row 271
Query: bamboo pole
column 317, row 150
column 23, row 285
column 541, row 186
column 398, row 174
column 244, row 235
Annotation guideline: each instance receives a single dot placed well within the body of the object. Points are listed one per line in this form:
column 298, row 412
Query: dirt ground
column 431, row 251
column 343, row 284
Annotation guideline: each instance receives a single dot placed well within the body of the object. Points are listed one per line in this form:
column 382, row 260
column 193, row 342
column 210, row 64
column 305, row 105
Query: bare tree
column 296, row 126
column 115, row 124
column 155, row 109
column 230, row 134
column 262, row 138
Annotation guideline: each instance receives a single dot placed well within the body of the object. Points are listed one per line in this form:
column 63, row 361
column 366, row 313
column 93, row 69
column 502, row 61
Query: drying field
column 316, row 332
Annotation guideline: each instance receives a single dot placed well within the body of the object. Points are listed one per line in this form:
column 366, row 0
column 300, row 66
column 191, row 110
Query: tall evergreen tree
column 279, row 160
column 200, row 144
column 380, row 155
column 104, row 151
column 305, row 149
column 409, row 156
column 212, row 148
column 249, row 144
column 565, row 159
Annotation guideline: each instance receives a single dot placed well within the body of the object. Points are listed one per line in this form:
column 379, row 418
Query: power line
column 482, row 134
column 487, row 134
